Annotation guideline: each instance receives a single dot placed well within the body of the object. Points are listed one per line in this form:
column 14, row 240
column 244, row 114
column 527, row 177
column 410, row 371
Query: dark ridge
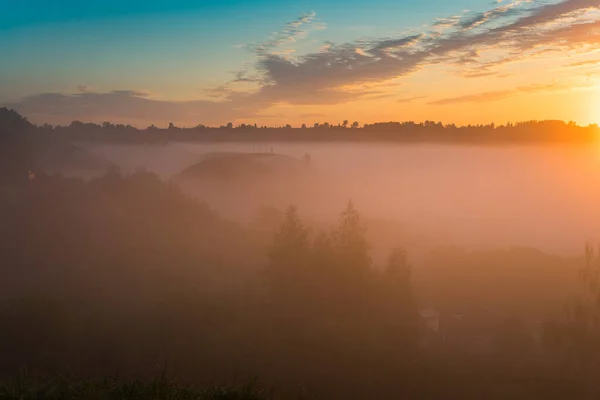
column 528, row 132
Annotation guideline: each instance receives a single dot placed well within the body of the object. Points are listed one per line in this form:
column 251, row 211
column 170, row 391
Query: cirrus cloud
column 513, row 32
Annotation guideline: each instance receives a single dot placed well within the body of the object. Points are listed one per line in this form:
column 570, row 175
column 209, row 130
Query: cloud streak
column 289, row 34
column 128, row 106
column 513, row 32
column 497, row 95
column 585, row 63
column 510, row 30
column 481, row 19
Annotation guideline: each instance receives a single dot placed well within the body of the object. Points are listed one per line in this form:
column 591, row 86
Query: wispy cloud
column 479, row 19
column 498, row 95
column 513, row 31
column 410, row 99
column 531, row 28
column 129, row 106
column 279, row 41
column 584, row 63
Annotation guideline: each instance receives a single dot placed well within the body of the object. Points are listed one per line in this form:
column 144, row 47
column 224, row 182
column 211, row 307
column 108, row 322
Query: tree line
column 549, row 131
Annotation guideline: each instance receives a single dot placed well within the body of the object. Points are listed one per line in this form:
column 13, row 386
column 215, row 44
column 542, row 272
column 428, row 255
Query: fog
column 338, row 270
column 476, row 197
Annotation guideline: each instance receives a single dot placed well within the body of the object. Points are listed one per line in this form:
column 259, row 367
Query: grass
column 25, row 387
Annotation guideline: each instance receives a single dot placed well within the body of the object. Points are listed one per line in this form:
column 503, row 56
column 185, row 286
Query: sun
column 590, row 106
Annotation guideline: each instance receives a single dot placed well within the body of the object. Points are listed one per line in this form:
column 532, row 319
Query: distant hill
column 25, row 147
column 238, row 183
column 242, row 166
column 67, row 158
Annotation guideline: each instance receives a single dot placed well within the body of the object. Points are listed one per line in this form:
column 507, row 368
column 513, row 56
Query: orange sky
column 507, row 61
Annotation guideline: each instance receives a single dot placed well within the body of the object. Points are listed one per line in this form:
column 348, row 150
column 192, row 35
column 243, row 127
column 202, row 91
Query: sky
column 272, row 62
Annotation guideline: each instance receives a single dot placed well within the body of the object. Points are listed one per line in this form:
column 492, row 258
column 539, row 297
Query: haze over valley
column 308, row 200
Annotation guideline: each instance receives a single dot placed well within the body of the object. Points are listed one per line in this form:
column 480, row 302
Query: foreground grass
column 27, row 388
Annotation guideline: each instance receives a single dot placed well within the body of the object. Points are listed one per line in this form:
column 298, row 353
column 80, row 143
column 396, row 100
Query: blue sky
column 34, row 12
column 188, row 51
column 114, row 44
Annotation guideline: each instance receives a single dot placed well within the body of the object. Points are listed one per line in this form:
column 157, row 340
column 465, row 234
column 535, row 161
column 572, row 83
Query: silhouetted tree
column 398, row 308
column 350, row 241
column 288, row 256
column 397, row 268
column 16, row 147
column 577, row 336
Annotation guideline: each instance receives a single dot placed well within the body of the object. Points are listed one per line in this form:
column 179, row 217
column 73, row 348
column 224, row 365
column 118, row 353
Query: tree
column 397, row 266
column 229, row 125
column 577, row 335
column 266, row 222
column 291, row 236
column 400, row 322
column 350, row 241
column 16, row 147
column 322, row 251
column 355, row 124
column 288, row 276
column 289, row 251
column 345, row 123
column 303, row 126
